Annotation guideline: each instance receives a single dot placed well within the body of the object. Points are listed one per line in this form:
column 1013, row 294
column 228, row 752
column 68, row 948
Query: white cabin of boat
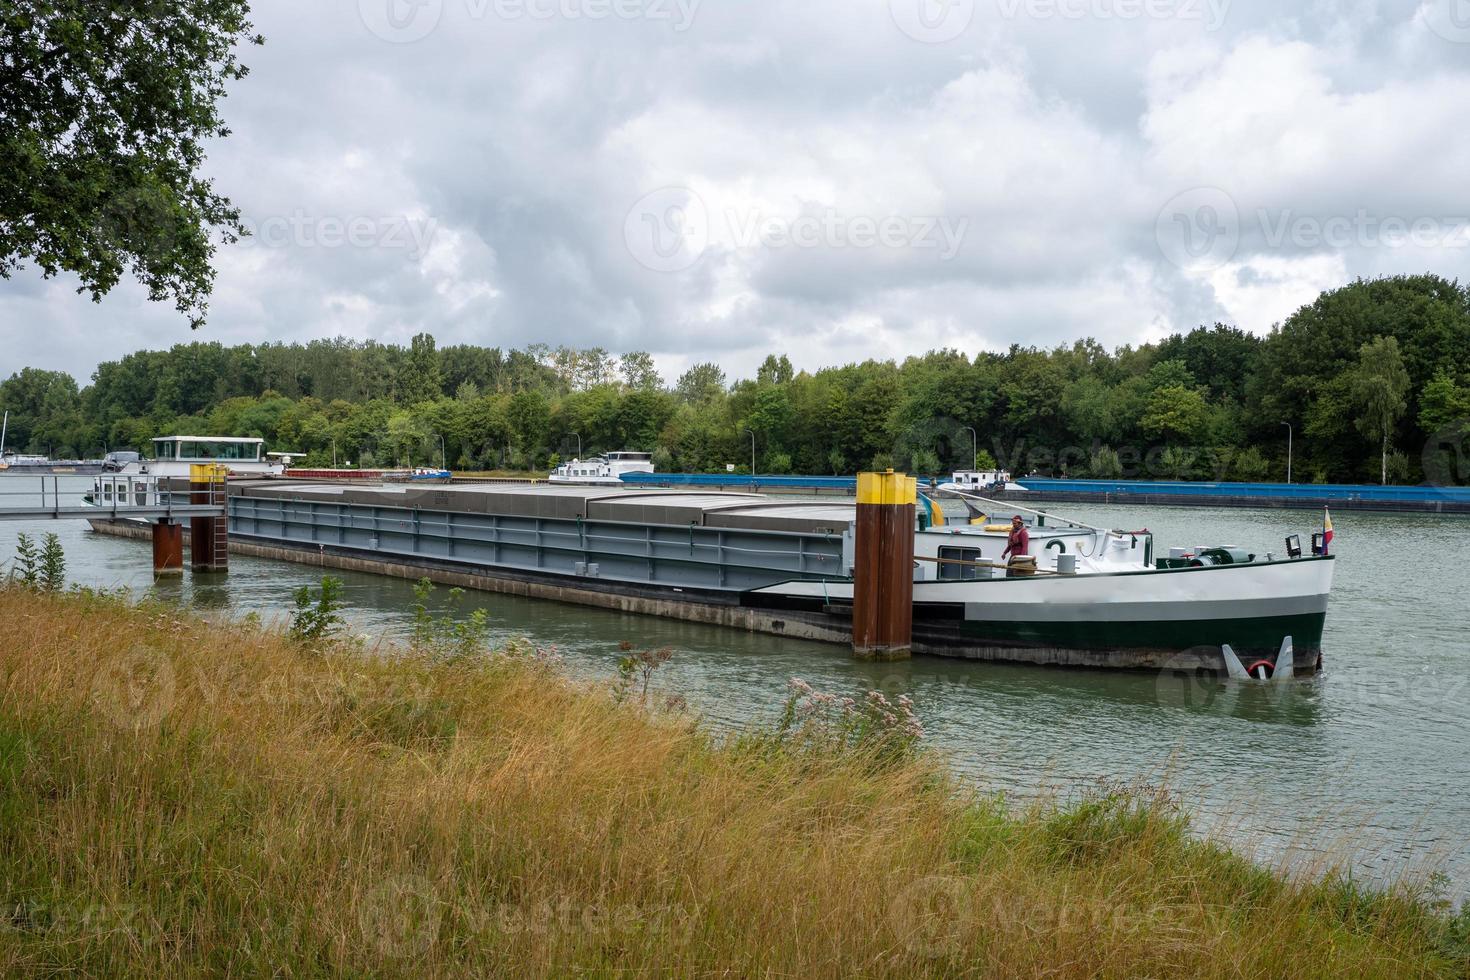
column 607, row 468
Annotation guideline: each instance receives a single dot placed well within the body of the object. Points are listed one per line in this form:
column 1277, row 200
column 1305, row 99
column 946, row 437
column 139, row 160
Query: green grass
column 181, row 797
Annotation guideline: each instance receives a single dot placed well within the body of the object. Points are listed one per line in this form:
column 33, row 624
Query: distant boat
column 972, row 480
column 604, row 470
column 17, row 464
column 419, row 474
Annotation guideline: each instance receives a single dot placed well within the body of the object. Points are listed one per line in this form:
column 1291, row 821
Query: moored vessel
column 1082, row 596
column 604, row 470
column 977, row 481
column 173, row 455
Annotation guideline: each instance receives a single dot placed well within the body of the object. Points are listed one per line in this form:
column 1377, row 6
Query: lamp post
column 974, row 448
column 1289, row 436
column 443, row 456
column 579, row 445
column 752, row 452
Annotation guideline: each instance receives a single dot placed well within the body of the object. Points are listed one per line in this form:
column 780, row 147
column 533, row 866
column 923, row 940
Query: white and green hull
column 1140, row 619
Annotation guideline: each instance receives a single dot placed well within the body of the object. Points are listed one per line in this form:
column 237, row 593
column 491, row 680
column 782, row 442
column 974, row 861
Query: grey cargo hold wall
column 658, row 538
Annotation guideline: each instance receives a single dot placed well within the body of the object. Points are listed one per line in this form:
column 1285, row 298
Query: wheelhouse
column 207, row 449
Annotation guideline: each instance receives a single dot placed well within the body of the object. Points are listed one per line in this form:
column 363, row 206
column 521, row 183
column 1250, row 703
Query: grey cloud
column 523, row 143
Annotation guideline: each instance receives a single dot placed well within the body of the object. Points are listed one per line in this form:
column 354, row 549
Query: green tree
column 1444, row 404
column 774, row 370
column 770, row 417
column 1379, row 387
column 105, row 111
column 419, row 380
column 701, row 383
column 1220, row 357
column 1105, row 464
column 639, row 372
column 35, row 400
column 1306, row 359
column 1249, row 465
column 1174, row 412
column 409, row 439
column 529, row 418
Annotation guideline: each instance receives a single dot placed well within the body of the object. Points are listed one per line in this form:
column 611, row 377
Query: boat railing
column 110, row 490
column 123, row 490
column 111, row 495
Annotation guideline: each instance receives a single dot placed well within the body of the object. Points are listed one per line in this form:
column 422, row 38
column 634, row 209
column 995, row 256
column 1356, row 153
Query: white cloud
column 517, row 146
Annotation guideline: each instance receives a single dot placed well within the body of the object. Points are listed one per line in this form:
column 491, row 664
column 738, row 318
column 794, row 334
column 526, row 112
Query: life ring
column 1270, row 668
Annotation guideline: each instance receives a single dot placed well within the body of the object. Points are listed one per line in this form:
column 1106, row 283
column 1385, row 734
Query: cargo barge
column 1089, row 597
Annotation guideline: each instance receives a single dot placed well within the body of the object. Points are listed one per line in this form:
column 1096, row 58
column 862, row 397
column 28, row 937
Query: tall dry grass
column 181, row 797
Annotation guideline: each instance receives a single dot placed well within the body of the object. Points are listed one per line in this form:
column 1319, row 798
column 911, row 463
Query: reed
column 181, row 796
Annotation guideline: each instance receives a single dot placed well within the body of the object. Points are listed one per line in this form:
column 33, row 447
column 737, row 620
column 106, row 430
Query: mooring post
column 209, row 537
column 168, row 548
column 883, row 566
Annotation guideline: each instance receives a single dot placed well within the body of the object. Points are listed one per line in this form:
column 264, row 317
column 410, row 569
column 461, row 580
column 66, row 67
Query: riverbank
column 180, row 797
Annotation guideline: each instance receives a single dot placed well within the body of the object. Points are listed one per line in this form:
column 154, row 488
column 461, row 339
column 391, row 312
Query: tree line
column 1365, row 377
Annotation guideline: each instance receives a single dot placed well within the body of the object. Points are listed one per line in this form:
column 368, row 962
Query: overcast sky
column 835, row 179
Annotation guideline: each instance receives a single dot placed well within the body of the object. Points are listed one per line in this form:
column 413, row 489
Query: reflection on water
column 1372, row 751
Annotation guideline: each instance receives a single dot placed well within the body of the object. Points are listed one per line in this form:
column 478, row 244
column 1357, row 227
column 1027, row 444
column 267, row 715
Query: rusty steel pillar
column 209, row 537
column 168, row 548
column 883, row 567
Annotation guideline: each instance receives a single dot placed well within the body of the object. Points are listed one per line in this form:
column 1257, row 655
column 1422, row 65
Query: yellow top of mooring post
column 887, row 487
column 207, row 472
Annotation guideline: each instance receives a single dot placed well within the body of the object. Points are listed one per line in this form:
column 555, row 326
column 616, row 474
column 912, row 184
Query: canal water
column 1367, row 764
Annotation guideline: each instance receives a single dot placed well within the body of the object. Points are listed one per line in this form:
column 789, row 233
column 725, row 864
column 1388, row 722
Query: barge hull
column 939, row 628
column 691, row 605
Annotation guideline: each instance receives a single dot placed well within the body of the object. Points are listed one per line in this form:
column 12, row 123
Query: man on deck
column 1020, row 540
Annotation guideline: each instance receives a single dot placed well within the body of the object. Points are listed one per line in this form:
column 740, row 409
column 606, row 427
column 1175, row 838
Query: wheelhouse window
column 951, row 570
column 208, row 449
